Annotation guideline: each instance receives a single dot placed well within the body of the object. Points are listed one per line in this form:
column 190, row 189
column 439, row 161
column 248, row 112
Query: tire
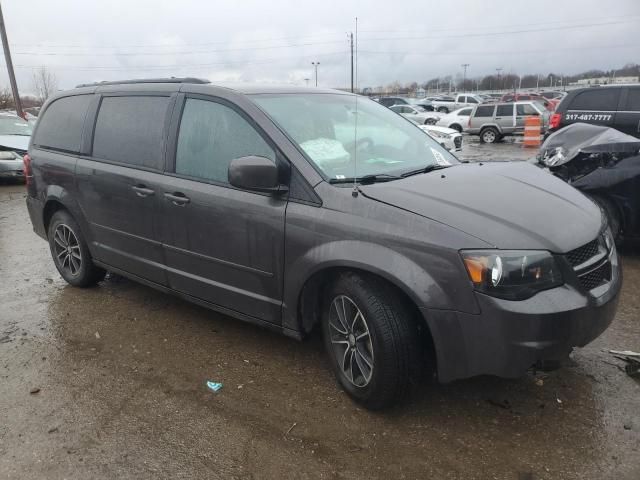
column 70, row 253
column 612, row 213
column 375, row 359
column 443, row 109
column 430, row 121
column 489, row 135
column 456, row 127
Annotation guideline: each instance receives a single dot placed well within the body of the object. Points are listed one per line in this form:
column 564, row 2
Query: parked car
column 11, row 165
column 344, row 217
column 417, row 114
column 493, row 121
column 391, row 101
column 604, row 164
column 447, row 137
column 457, row 120
column 612, row 106
column 449, row 104
column 14, row 133
column 519, row 97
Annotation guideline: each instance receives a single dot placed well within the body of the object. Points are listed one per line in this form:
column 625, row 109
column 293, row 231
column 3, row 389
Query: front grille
column 457, row 141
column 596, row 277
column 583, row 253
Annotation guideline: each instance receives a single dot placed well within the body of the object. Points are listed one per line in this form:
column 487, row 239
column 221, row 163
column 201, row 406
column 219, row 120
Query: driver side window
column 211, row 135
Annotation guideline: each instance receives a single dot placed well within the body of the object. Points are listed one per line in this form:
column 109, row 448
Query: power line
column 193, row 65
column 512, row 32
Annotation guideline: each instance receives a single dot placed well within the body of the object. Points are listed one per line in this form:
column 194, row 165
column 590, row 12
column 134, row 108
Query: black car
column 616, row 106
column 391, row 101
column 604, row 164
column 300, row 208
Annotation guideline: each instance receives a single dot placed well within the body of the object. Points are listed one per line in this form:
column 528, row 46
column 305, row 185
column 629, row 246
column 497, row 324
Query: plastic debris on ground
column 632, row 368
column 213, row 386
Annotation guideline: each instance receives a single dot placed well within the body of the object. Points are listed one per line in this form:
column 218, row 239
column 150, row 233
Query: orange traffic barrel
column 532, row 131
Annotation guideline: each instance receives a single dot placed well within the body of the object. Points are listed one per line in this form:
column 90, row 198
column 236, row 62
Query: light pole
column 499, row 83
column 315, row 64
column 464, row 77
column 306, row 81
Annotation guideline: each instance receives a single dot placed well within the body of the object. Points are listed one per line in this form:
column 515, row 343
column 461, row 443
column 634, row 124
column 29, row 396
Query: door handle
column 177, row 198
column 142, row 190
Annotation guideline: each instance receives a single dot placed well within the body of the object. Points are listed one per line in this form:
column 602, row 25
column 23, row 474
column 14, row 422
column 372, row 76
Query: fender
column 414, row 280
column 61, row 195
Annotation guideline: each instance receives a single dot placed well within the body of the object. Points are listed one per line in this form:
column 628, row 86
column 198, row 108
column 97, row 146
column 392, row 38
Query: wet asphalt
column 109, row 382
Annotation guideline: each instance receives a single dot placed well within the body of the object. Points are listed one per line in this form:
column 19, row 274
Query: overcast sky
column 276, row 40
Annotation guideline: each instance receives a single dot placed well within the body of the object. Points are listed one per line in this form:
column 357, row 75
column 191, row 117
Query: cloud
column 276, row 41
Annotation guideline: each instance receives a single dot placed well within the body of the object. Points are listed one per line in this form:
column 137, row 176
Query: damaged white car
column 447, row 137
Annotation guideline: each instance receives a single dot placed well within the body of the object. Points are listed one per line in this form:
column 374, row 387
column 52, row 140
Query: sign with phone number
column 589, row 117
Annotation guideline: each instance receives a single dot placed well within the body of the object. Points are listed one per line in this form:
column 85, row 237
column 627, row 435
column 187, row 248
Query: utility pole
column 315, row 64
column 7, row 57
column 499, row 78
column 351, row 38
column 464, row 77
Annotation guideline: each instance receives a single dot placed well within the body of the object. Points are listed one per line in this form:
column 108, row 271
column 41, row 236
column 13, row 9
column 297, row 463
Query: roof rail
column 146, row 80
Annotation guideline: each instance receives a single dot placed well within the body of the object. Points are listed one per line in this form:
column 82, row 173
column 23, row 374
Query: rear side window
column 61, row 126
column 471, row 100
column 211, row 135
column 633, row 100
column 130, row 129
column 465, row 111
column 504, row 110
column 484, row 111
column 600, row 99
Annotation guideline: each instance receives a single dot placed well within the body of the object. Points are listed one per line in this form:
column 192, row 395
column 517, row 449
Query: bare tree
column 44, row 83
column 6, row 99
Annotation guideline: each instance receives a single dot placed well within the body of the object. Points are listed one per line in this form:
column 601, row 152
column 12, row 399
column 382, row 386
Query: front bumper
column 11, row 169
column 509, row 337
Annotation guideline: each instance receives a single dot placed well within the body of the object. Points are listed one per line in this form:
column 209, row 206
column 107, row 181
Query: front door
column 221, row 244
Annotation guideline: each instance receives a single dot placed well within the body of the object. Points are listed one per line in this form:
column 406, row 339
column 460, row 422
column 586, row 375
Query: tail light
column 554, row 120
column 28, row 174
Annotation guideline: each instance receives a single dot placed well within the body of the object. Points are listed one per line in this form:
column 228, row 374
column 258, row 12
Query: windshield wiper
column 427, row 169
column 367, row 179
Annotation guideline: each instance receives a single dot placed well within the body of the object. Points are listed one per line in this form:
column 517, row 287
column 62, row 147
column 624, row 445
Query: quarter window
column 599, row 99
column 211, row 135
column 61, row 125
column 471, row 100
column 130, row 130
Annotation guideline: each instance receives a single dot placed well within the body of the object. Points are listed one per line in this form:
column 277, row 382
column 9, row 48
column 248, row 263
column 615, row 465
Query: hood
column 435, row 128
column 508, row 205
column 19, row 142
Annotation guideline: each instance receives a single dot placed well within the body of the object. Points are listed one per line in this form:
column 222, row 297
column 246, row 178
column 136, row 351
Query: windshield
column 324, row 127
column 14, row 126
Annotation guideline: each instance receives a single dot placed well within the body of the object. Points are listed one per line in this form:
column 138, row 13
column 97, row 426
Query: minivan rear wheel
column 70, row 252
column 371, row 340
column 489, row 135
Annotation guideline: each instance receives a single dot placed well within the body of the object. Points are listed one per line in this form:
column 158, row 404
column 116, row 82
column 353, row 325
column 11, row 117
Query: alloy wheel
column 67, row 249
column 351, row 341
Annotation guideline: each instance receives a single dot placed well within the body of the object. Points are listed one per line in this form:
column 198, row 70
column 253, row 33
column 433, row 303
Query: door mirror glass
column 254, row 173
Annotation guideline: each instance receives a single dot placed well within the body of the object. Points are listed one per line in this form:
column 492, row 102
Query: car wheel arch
column 308, row 272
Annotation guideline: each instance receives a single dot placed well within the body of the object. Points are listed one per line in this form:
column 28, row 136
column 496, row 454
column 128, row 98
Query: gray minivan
column 494, row 121
column 300, row 208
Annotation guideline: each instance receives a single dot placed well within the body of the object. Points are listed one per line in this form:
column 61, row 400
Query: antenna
column 354, row 193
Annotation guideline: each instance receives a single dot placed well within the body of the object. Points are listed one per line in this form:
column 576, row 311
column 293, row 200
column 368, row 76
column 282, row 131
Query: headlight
column 511, row 274
column 438, row 135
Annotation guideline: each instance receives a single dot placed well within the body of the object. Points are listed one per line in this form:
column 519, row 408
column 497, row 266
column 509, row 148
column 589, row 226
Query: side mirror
column 255, row 173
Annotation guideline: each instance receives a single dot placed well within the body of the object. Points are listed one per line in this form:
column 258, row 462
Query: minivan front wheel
column 489, row 135
column 70, row 252
column 370, row 337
